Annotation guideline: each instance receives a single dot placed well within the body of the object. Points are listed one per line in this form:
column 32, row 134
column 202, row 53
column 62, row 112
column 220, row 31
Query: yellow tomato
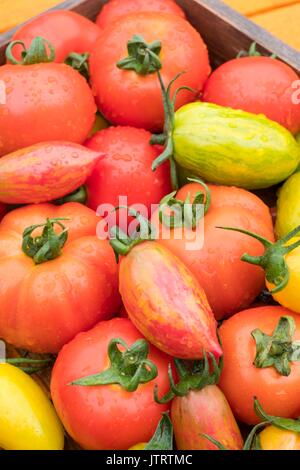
column 288, row 206
column 28, row 420
column 289, row 296
column 272, row 438
column 140, row 446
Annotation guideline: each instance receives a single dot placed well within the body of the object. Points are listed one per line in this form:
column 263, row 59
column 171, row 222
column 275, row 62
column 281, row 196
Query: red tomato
column 241, row 380
column 126, row 170
column 43, row 306
column 166, row 303
column 227, row 281
column 105, row 417
column 66, row 30
column 127, row 98
column 44, row 102
column 259, row 85
column 115, row 9
column 201, row 412
column 44, row 172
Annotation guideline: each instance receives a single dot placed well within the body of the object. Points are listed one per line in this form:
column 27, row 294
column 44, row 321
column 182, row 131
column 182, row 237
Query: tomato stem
column 40, row 50
column 128, row 368
column 46, row 246
column 253, row 52
column 79, row 62
column 279, row 349
column 163, row 436
column 273, row 260
column 143, row 58
column 193, row 375
column 79, row 195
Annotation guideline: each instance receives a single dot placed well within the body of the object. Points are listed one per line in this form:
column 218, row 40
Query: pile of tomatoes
column 114, row 136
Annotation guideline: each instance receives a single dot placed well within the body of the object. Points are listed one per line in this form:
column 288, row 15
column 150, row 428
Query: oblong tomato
column 166, row 303
column 126, row 98
column 241, row 380
column 44, row 102
column 228, row 282
column 115, row 9
column 201, row 412
column 43, row 306
column 259, row 85
column 44, row 172
column 66, row 30
column 105, row 417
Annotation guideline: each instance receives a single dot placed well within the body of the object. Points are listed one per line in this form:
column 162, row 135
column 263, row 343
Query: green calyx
column 79, row 195
column 273, row 260
column 163, row 436
column 28, row 365
column 185, row 213
column 253, row 441
column 193, row 375
column 128, row 368
column 48, row 245
column 279, row 349
column 40, row 50
column 143, row 58
column 253, row 52
column 122, row 243
column 167, row 137
column 79, row 62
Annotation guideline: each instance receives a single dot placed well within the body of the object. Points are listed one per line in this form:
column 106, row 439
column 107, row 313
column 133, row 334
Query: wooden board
column 225, row 31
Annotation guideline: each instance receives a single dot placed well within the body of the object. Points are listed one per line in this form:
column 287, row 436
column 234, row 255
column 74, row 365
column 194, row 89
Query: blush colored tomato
column 44, row 102
column 106, row 417
column 66, row 30
column 242, row 380
column 115, row 9
column 127, row 98
column 125, row 170
column 49, row 295
column 259, row 85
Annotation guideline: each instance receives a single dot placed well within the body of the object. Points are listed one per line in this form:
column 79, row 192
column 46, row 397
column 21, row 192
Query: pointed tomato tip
column 216, row 350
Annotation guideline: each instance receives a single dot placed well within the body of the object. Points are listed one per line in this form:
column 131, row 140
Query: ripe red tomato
column 259, row 85
column 126, row 170
column 44, row 102
column 241, row 380
column 45, row 301
column 227, row 281
column 127, row 98
column 115, row 9
column 105, row 417
column 66, row 30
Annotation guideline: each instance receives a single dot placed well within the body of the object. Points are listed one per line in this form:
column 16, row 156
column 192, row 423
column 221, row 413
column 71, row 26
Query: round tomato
column 115, row 9
column 51, row 291
column 133, row 97
column 125, row 171
column 44, row 102
column 106, row 417
column 66, row 30
column 259, row 85
column 258, row 346
column 214, row 255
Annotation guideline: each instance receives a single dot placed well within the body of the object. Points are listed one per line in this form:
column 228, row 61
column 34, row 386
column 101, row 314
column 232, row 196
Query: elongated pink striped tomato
column 44, row 172
column 166, row 303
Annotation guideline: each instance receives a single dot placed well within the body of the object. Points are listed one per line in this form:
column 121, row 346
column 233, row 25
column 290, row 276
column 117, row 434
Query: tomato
column 44, row 172
column 115, row 9
column 50, row 292
column 247, row 374
column 273, row 438
column 201, row 412
column 133, row 97
column 27, row 418
column 44, row 102
column 165, row 302
column 259, row 85
column 227, row 281
column 105, row 417
column 66, row 30
column 288, row 206
column 126, row 170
